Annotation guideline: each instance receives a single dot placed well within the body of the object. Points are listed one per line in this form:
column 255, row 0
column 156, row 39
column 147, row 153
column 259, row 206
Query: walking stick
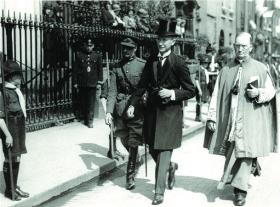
column 112, row 140
column 6, row 120
column 146, row 167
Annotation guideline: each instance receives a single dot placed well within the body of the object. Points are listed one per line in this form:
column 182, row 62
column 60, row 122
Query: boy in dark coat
column 13, row 132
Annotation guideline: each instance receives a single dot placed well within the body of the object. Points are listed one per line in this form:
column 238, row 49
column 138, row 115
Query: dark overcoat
column 163, row 121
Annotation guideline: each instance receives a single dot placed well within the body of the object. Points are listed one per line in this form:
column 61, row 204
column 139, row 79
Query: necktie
column 159, row 67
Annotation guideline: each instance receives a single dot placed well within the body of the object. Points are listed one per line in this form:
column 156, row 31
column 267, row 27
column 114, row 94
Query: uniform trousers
column 162, row 159
column 87, row 97
column 129, row 130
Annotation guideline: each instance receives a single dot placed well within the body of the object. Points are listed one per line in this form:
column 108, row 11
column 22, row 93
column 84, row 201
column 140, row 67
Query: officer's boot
column 7, row 178
column 17, row 188
column 198, row 113
column 114, row 153
column 131, row 165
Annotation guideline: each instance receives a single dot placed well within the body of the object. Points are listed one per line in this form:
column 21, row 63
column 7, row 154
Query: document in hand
column 254, row 81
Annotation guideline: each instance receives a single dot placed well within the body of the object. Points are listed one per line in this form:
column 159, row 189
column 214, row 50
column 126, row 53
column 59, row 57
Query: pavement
column 63, row 157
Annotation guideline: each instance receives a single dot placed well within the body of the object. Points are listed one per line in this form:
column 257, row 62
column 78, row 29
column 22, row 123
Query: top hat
column 143, row 13
column 11, row 67
column 167, row 28
column 116, row 7
column 128, row 42
column 204, row 58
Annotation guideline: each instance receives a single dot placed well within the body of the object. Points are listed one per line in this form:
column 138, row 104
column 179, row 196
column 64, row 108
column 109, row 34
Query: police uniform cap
column 128, row 42
column 11, row 67
column 88, row 42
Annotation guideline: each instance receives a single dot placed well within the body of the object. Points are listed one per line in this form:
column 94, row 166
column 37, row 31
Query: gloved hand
column 108, row 119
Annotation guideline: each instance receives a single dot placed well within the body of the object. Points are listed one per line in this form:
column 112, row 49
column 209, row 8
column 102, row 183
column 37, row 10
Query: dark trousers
column 87, row 97
column 162, row 159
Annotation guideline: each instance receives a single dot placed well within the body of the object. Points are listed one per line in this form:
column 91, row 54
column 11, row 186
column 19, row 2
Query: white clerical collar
column 165, row 55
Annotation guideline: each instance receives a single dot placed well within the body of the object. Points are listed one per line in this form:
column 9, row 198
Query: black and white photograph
column 138, row 103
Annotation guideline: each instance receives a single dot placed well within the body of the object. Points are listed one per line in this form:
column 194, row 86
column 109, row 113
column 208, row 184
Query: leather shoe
column 90, row 125
column 240, row 199
column 158, row 199
column 171, row 176
column 21, row 193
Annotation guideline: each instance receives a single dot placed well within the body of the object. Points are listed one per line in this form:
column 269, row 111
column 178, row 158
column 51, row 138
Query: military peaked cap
column 128, row 42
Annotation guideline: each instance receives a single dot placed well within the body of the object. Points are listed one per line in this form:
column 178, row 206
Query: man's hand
column 165, row 93
column 108, row 119
column 252, row 92
column 130, row 111
column 9, row 141
column 98, row 86
column 75, row 85
column 211, row 125
column 199, row 92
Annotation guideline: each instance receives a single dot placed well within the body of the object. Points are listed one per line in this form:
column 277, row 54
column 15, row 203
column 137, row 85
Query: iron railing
column 45, row 51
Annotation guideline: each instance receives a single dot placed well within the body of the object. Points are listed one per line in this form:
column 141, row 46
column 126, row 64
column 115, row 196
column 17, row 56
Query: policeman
column 201, row 83
column 124, row 79
column 87, row 77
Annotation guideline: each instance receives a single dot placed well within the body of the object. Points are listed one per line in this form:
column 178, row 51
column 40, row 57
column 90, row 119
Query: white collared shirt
column 164, row 56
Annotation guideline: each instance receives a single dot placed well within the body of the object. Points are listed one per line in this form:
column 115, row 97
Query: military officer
column 124, row 79
column 87, row 77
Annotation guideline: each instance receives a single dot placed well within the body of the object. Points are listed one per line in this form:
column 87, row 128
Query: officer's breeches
column 130, row 129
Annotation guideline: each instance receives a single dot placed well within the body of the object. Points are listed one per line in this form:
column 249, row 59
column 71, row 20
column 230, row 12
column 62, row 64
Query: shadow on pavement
column 2, row 183
column 205, row 186
column 118, row 177
column 96, row 156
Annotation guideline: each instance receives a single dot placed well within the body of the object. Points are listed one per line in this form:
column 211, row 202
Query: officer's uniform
column 118, row 98
column 124, row 80
column 87, row 74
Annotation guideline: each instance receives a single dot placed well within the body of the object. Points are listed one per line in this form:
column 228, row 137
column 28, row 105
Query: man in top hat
column 166, row 79
column 87, row 77
column 201, row 83
column 124, row 79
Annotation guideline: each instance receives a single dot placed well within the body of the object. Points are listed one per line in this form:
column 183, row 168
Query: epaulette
column 141, row 60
